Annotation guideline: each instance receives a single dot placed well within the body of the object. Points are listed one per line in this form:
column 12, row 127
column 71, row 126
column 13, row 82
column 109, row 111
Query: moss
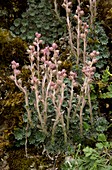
column 18, row 161
column 12, row 48
column 105, row 15
column 11, row 102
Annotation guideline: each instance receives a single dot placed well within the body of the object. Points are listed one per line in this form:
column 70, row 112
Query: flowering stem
column 70, row 105
column 24, row 90
column 81, row 117
column 84, row 50
column 78, row 40
column 69, row 31
column 64, row 128
column 56, row 10
column 46, row 97
column 38, row 111
column 90, row 105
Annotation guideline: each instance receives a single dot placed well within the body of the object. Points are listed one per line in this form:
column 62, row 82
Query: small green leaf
column 99, row 145
column 86, row 126
column 23, row 29
column 17, row 22
column 19, row 134
column 101, row 137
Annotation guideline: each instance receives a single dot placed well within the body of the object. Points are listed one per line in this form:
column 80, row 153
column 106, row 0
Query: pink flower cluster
column 67, row 5
column 89, row 70
column 16, row 71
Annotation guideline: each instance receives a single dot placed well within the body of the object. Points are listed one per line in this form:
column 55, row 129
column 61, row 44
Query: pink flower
column 13, row 62
column 37, row 35
column 54, row 45
column 51, row 48
column 16, row 72
column 32, row 58
column 73, row 74
column 94, row 60
column 81, row 12
column 12, row 77
column 45, row 51
column 59, row 82
column 35, row 79
column 13, row 67
column 52, row 66
column 52, row 83
column 35, row 43
column 43, row 59
column 31, row 47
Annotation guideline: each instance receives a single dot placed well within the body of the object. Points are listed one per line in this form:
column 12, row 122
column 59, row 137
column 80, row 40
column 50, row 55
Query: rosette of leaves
column 39, row 17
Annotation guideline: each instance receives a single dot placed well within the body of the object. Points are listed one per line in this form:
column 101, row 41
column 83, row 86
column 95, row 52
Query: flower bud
column 17, row 72
column 46, row 62
column 13, row 67
column 13, row 62
column 80, row 22
column 75, row 84
column 68, row 10
column 94, row 60
column 75, row 16
column 71, row 77
column 59, row 62
column 81, row 12
column 51, row 48
column 94, row 51
column 54, row 45
column 32, row 81
column 20, row 81
column 40, row 41
column 29, row 51
column 12, row 77
column 54, row 71
column 63, row 85
column 35, row 79
column 86, row 31
column 94, row 1
column 82, row 36
column 37, row 35
column 16, row 64
column 89, row 62
column 92, row 55
column 32, row 88
column 43, row 59
column 32, row 58
column 52, row 83
column 59, row 82
column 97, row 53
column 92, row 73
column 69, row 3
column 34, row 43
column 52, row 66
column 78, row 8
column 31, row 47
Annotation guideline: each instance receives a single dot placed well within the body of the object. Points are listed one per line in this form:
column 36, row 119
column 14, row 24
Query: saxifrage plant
column 49, row 86
column 48, row 109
